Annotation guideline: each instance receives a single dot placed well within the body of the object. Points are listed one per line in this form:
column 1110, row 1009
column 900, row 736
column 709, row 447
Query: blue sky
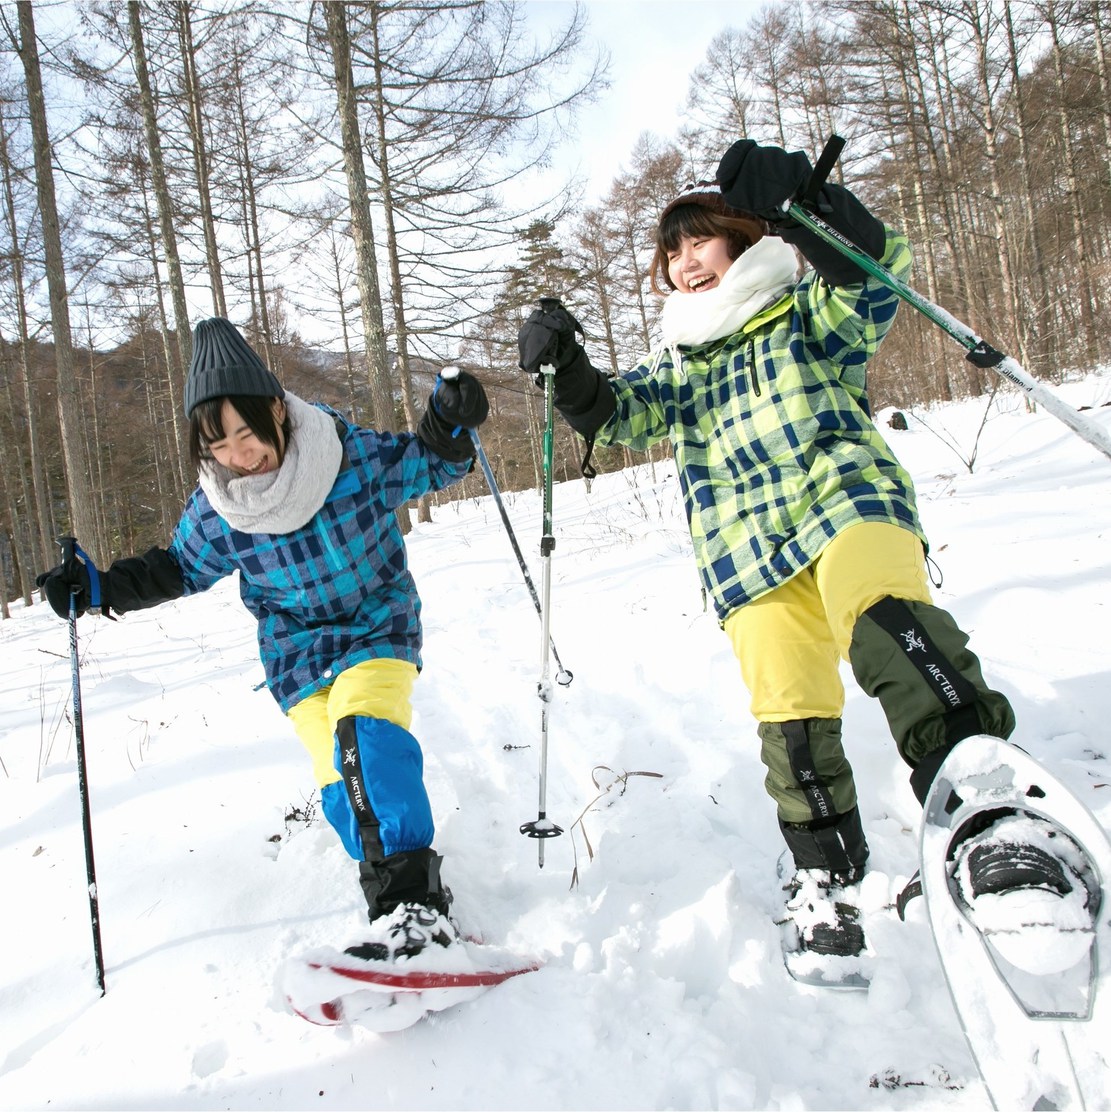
column 655, row 47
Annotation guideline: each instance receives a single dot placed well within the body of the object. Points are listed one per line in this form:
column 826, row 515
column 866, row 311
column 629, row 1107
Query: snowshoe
column 414, row 963
column 1014, row 869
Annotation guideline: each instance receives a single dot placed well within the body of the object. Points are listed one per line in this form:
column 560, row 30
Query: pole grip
column 831, row 152
column 71, row 550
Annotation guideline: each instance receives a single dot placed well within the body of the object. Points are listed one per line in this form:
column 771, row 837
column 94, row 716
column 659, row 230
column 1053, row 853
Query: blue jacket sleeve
column 198, row 546
column 403, row 467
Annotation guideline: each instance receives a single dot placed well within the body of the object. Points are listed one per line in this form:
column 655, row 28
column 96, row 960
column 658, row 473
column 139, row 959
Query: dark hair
column 695, row 221
column 206, row 424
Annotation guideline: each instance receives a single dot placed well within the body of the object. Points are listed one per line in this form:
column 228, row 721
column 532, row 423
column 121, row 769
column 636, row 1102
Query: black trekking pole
column 565, row 676
column 70, row 551
column 980, row 352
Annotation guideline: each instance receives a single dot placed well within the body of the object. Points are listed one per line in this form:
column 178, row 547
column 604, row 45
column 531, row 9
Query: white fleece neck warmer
column 283, row 500
column 759, row 277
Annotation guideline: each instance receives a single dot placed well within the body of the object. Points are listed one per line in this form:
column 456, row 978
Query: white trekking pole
column 543, row 827
column 980, row 352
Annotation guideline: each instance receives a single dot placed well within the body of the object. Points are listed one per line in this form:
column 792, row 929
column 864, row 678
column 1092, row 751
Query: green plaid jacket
column 772, row 434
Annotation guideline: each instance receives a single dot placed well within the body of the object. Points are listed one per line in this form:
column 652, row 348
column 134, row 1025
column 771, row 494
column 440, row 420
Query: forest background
column 372, row 190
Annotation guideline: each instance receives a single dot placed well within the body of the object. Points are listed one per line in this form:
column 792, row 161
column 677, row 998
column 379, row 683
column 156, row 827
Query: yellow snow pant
column 373, row 689
column 789, row 641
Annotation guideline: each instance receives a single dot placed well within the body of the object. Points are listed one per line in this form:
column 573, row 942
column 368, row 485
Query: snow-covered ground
column 662, row 984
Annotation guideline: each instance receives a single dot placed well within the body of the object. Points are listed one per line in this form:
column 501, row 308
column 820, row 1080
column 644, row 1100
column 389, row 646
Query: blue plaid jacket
column 337, row 591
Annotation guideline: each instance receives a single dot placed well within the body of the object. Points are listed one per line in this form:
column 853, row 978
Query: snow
column 662, row 984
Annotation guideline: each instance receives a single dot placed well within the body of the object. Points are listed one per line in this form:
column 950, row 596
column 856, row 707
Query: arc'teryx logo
column 913, row 640
column 818, row 799
column 350, row 759
column 949, row 692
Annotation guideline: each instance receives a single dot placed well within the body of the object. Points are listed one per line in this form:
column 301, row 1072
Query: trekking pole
column 564, row 676
column 980, row 352
column 543, row 827
column 71, row 550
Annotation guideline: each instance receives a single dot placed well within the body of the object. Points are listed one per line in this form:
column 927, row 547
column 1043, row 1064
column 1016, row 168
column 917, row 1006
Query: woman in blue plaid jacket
column 302, row 504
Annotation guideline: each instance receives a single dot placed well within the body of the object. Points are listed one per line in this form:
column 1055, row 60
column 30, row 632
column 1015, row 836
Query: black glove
column 579, row 392
column 760, row 179
column 458, row 403
column 460, row 399
column 547, row 338
column 69, row 577
column 133, row 583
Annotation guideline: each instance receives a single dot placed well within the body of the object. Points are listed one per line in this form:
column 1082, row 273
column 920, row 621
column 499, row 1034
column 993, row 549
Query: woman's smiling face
column 239, row 449
column 699, row 263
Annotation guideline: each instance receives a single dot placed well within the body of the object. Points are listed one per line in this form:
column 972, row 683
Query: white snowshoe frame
column 1028, row 1057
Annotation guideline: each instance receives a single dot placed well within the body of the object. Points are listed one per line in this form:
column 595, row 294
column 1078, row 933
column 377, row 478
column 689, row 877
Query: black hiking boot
column 404, row 933
column 1027, row 886
column 1006, row 851
column 824, row 909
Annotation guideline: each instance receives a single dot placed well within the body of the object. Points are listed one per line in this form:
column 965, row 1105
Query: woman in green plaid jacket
column 804, row 523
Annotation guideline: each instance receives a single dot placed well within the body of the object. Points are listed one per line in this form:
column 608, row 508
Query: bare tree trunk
column 82, row 516
column 374, row 332
column 22, row 525
column 940, row 162
column 348, row 360
column 401, row 330
column 1042, row 333
column 978, row 21
column 636, row 270
column 1086, row 294
column 933, row 363
column 361, row 227
column 945, row 146
column 251, row 230
column 166, row 489
column 534, row 431
column 107, row 502
column 161, row 187
column 41, row 531
column 200, row 157
column 1104, row 71
column 175, row 377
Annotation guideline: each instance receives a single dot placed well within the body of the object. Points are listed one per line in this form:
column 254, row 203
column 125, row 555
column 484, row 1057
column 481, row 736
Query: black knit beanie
column 224, row 365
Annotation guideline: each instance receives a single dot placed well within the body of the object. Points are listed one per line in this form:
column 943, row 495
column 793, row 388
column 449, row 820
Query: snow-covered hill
column 662, row 985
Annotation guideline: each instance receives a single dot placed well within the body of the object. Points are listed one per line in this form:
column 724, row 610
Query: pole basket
column 541, row 828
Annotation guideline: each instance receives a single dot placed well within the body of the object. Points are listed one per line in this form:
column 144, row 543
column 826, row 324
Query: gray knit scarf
column 283, row 500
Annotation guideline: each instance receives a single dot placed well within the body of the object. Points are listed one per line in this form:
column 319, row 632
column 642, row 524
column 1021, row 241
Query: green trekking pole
column 980, row 352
